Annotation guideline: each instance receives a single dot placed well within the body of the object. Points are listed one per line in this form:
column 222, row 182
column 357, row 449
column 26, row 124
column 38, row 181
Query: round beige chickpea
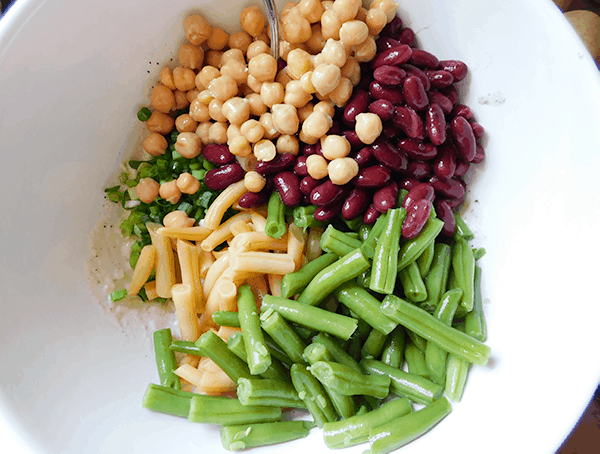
column 305, row 111
column 205, row 76
column 205, row 97
column 265, row 150
column 233, row 131
column 316, row 166
column 330, row 25
column 169, row 191
column 316, row 42
column 147, row 190
column 257, row 107
column 240, row 40
column 342, row 92
column 236, row 70
column 271, row 93
column 285, row 118
column 213, row 58
column 271, row 131
column 342, row 170
column 287, row 144
column 160, row 122
column 295, row 94
column 346, row 10
column 202, row 132
column 368, row 127
column 199, row 111
column 217, row 39
column 190, row 56
column 334, row 53
column 325, row 78
column 185, row 123
column 311, row 10
column 162, row 99
column 325, row 107
column 257, row 48
column 316, row 125
column 295, row 28
column 188, row 184
column 239, row 146
column 365, row 51
column 236, row 110
column 184, row 98
column 376, row 20
column 223, row 88
column 252, row 21
column 334, row 146
column 184, row 78
column 252, row 130
column 215, row 110
column 188, row 145
column 178, row 219
column 166, row 77
column 389, row 7
column 254, row 181
column 353, row 32
column 217, row 132
column 352, row 71
column 298, row 63
column 233, row 53
column 155, row 144
column 263, row 67
column 196, row 29
column 362, row 14
column 306, row 82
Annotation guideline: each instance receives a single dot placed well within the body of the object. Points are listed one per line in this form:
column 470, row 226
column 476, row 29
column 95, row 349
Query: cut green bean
column 412, row 283
column 462, row 229
column 395, row 434
column 416, row 388
column 457, row 371
column 165, row 359
column 304, row 217
column 355, row 430
column 228, row 412
column 283, row 334
column 294, row 283
column 354, row 224
column 393, row 349
column 354, row 345
column 276, row 351
column 417, row 340
column 364, row 305
column 415, row 359
column 369, row 245
column 425, row 325
column 234, row 438
column 414, row 247
column 363, row 232
column 338, row 242
column 216, row 349
column 347, row 381
column 373, row 345
column 475, row 325
column 187, row 347
column 336, row 351
column 425, row 259
column 463, row 265
column 259, row 357
column 329, row 278
column 226, row 318
column 312, row 317
column 384, row 270
column 436, row 280
column 314, row 395
column 478, row 253
column 268, row 393
column 276, row 370
column 167, row 400
column 275, row 226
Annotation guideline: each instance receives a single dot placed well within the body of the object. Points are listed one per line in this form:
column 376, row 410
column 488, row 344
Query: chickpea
column 325, row 107
column 252, row 21
column 188, row 184
column 287, row 144
column 244, row 90
column 253, row 84
column 306, row 82
column 257, row 48
column 185, row 123
column 252, row 130
column 368, row 127
column 298, row 62
column 239, row 146
column 236, row 110
column 287, row 8
column 166, row 78
column 342, row 92
column 316, row 41
column 223, row 88
column 334, row 53
column 376, row 20
column 215, row 108
column 352, row 71
column 249, row 163
column 362, row 14
column 271, row 93
column 155, row 144
column 284, row 49
column 316, row 126
column 311, row 10
column 162, row 99
column 342, row 170
column 205, row 76
column 295, row 28
column 147, row 190
column 325, row 78
column 330, row 25
column 327, row 5
column 305, row 111
column 263, row 67
column 188, row 145
column 202, row 132
column 265, row 150
column 233, row 131
column 271, row 131
column 160, row 122
column 235, row 54
column 213, row 58
column 365, row 51
column 353, row 32
column 199, row 111
column 178, row 219
column 218, row 39
column 389, row 7
column 334, row 146
column 254, row 181
column 316, row 166
column 217, row 132
column 240, row 40
column 196, row 29
column 285, row 118
column 282, row 77
column 257, row 107
column 346, row 10
column 205, row 97
column 170, row 192
column 295, row 95
column 182, row 98
column 190, row 56
column 184, row 78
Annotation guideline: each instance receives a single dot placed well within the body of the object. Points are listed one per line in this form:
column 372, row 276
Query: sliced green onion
column 118, row 295
column 144, row 114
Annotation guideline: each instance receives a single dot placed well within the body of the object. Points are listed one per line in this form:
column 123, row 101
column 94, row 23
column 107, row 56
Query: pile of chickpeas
column 238, row 94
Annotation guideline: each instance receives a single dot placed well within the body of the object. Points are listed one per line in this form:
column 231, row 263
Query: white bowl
column 72, row 76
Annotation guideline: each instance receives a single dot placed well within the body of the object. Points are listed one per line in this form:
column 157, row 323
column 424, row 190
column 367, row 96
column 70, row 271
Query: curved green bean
column 393, row 349
column 415, row 359
column 412, row 283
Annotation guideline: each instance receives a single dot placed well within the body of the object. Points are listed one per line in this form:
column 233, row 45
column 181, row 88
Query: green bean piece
column 294, row 283
column 338, row 242
column 276, row 370
column 457, row 371
column 412, row 283
column 312, row 317
column 165, row 359
column 364, row 278
column 463, row 264
column 226, row 318
column 369, row 245
column 395, row 434
column 276, row 226
column 384, row 270
column 216, row 349
column 348, row 382
column 414, row 247
column 283, row 334
column 267, row 392
column 228, row 412
column 478, row 253
column 373, row 345
column 304, row 217
column 305, row 333
column 475, row 325
column 436, row 280
column 355, row 344
column 244, row 436
column 462, row 229
column 363, row 232
column 336, row 351
column 329, row 278
column 363, row 409
column 354, row 224
column 415, row 359
column 355, row 430
column 167, row 400
column 276, row 351
column 417, row 340
column 259, row 357
column 416, row 388
column 393, row 349
column 364, row 305
column 435, row 357
column 427, row 326
column 187, row 347
column 425, row 260
column 314, row 395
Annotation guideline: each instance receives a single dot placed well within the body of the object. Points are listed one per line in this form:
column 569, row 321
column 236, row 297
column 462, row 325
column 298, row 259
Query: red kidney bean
column 415, row 94
column 439, row 78
column 288, row 185
column 407, row 36
column 371, row 215
column 352, row 137
column 451, row 188
column 395, row 56
column 418, row 169
column 388, row 155
column 444, row 165
column 392, row 94
column 455, row 203
column 435, row 124
column 307, row 184
column 462, row 167
column 460, row 110
column 372, row 177
column 385, row 43
column 336, row 127
column 386, row 198
column 457, row 68
column 309, row 149
column 408, row 183
column 327, row 213
column 418, row 191
column 219, row 178
column 440, row 100
column 463, row 138
column 478, row 130
column 281, row 63
column 357, row 104
column 389, row 75
column 254, row 199
column 364, row 157
column 445, row 214
column 423, row 59
column 300, row 166
column 391, row 131
column 217, row 154
column 318, row 149
column 416, row 217
column 409, row 121
column 383, row 108
column 414, row 71
column 418, row 150
column 479, row 155
column 451, row 93
column 393, row 28
column 328, row 193
column 355, row 204
column 278, row 164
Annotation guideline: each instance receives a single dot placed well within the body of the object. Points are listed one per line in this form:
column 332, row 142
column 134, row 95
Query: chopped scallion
column 118, row 295
column 144, row 114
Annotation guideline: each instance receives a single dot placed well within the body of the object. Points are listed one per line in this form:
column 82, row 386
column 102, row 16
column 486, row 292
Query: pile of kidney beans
column 428, row 143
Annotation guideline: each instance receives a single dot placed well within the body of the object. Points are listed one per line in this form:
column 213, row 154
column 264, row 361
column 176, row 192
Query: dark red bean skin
column 460, row 110
column 392, row 94
column 278, row 164
column 385, row 43
column 479, row 155
column 386, row 198
column 371, row 215
column 463, row 138
column 435, row 124
column 457, row 68
column 423, row 59
column 408, row 183
column 355, row 204
column 391, row 131
column 383, row 108
column 418, row 192
column 445, row 214
column 352, row 137
column 364, row 157
column 419, row 170
column 328, row 193
column 441, row 100
column 478, row 130
column 219, row 178
column 410, row 122
column 389, row 75
column 406, row 36
column 393, row 28
column 281, row 63
column 309, row 149
column 418, row 150
column 300, row 166
column 414, row 93
column 327, row 213
column 308, row 183
column 388, row 155
column 217, row 154
column 451, row 188
column 357, row 104
column 451, row 93
column 372, row 177
column 416, row 217
column 254, row 199
column 414, row 71
column 288, row 185
column 462, row 167
column 336, row 128
column 395, row 56
column 439, row 78
column 455, row 203
column 444, row 165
